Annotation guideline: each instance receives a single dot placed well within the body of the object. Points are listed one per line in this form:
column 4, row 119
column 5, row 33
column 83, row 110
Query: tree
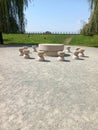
column 91, row 27
column 12, row 18
column 1, row 38
column 94, row 16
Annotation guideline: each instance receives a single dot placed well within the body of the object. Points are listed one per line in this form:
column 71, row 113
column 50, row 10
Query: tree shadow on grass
column 95, row 46
column 18, row 44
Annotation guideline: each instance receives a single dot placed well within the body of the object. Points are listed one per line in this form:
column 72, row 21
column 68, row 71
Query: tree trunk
column 1, row 38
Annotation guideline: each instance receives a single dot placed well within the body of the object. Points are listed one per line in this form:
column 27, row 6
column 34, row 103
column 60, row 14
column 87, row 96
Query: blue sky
column 56, row 15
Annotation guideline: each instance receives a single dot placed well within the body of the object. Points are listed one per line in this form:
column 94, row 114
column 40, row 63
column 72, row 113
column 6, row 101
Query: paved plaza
column 50, row 95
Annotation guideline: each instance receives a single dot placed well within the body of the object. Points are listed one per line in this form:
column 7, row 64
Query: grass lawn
column 79, row 40
column 85, row 40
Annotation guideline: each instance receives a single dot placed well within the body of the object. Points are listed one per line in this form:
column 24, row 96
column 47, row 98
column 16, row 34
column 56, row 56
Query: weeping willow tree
column 91, row 27
column 93, row 23
column 12, row 18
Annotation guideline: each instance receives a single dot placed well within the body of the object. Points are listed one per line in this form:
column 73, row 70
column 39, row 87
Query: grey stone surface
column 48, row 95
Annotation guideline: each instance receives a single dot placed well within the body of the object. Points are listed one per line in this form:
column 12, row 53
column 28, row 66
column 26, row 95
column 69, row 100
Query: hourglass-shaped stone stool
column 75, row 54
column 21, row 50
column 41, row 56
column 26, row 53
column 81, row 52
column 78, row 48
column 61, row 55
column 68, row 49
column 34, row 48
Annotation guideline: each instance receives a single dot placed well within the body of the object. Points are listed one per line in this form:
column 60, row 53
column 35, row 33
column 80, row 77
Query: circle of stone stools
column 41, row 56
column 34, row 48
column 21, row 50
column 68, row 49
column 75, row 54
column 26, row 53
column 61, row 55
column 81, row 52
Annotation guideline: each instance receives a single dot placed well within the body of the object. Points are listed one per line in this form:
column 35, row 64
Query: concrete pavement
column 49, row 95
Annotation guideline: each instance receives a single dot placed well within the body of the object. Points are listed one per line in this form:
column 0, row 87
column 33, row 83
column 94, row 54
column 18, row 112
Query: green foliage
column 12, row 18
column 92, row 26
column 87, row 30
column 79, row 40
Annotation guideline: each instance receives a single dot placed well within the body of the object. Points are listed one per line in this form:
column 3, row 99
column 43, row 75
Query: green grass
column 33, row 38
column 85, row 40
column 79, row 40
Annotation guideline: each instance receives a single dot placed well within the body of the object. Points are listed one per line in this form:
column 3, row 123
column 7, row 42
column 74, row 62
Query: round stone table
column 51, row 49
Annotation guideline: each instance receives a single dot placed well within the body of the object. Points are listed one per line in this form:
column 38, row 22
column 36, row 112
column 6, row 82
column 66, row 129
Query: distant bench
column 51, row 49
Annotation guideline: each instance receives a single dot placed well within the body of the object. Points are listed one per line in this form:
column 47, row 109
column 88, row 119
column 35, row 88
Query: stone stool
column 41, row 56
column 26, row 53
column 21, row 50
column 34, row 48
column 77, row 48
column 76, row 54
column 61, row 55
column 81, row 52
column 68, row 49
